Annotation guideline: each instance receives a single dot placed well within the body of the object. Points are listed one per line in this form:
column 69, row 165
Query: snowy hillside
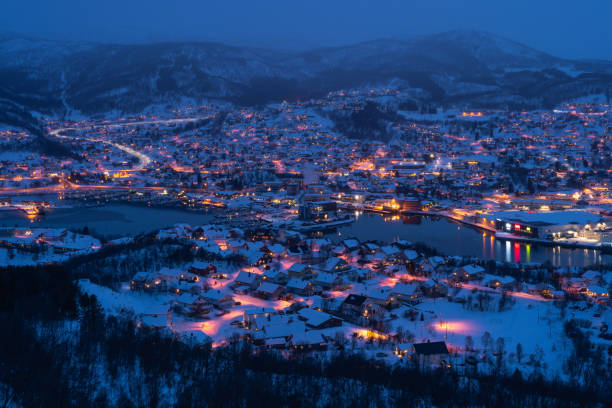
column 455, row 67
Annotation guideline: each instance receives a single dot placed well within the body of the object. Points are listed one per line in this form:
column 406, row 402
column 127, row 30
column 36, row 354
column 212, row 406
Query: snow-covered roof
column 547, row 217
column 314, row 317
column 268, row 287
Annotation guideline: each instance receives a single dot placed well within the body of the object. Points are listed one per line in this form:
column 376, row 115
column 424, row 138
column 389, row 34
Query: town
column 289, row 158
column 269, row 267
column 370, row 204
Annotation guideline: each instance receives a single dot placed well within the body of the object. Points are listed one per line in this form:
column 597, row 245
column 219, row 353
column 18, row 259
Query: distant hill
column 458, row 67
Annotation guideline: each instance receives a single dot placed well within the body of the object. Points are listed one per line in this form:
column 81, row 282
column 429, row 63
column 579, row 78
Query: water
column 110, row 220
column 451, row 238
column 446, row 236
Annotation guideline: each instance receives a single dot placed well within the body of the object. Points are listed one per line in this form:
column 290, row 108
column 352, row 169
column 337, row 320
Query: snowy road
column 143, row 159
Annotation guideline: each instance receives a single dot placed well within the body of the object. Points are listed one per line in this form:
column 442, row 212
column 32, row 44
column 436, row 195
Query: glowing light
column 455, row 327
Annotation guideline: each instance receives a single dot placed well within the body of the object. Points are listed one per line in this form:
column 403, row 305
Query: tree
column 499, row 355
column 469, row 343
column 486, row 340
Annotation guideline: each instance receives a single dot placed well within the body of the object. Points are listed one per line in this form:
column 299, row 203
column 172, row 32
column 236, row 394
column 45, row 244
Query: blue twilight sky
column 574, row 29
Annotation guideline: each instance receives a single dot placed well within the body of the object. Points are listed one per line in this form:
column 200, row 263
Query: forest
column 60, row 349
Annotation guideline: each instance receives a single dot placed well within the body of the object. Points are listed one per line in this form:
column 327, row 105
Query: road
column 143, row 159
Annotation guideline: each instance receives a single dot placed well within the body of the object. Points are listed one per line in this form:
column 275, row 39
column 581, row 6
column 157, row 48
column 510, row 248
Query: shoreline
column 510, row 237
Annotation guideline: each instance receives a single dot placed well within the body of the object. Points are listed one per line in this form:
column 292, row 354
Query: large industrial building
column 548, row 224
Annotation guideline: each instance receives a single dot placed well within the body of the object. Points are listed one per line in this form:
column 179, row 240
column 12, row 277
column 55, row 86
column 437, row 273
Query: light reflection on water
column 453, row 239
column 446, row 236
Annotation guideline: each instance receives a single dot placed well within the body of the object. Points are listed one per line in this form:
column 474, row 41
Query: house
column 597, row 294
column 351, row 244
column 139, row 280
column 557, row 294
column 299, row 287
column 373, row 311
column 543, row 289
column 336, row 265
column 188, row 287
column 434, row 288
column 275, row 276
column 195, row 337
column 382, row 296
column 575, row 287
column 247, row 279
column 362, row 273
column 467, row 272
column 278, row 251
column 431, row 352
column 278, row 343
column 269, row 290
column 431, row 265
column 156, row 321
column 499, row 282
column 410, row 255
column 459, row 295
column 258, row 258
column 327, row 304
column 188, row 277
column 403, row 349
column 191, row 305
column 199, row 234
column 218, row 299
column 275, row 327
column 202, row 268
column 353, row 304
column 237, row 245
column 406, row 293
column 308, row 341
column 320, row 245
column 298, row 270
column 370, row 248
column 392, row 255
column 250, row 317
column 327, row 281
column 154, row 282
column 317, row 320
column 433, row 348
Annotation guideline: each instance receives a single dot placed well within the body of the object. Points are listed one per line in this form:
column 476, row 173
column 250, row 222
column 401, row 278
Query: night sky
column 573, row 29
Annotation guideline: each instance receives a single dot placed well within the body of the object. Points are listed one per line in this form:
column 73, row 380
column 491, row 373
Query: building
column 298, row 270
column 432, row 353
column 218, row 299
column 353, row 304
column 318, row 320
column 317, row 210
column 269, row 290
column 545, row 225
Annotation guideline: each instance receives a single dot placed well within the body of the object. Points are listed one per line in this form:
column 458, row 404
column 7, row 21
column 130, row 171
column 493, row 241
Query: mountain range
column 453, row 68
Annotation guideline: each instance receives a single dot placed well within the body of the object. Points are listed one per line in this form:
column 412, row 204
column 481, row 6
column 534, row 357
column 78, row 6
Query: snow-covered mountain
column 454, row 67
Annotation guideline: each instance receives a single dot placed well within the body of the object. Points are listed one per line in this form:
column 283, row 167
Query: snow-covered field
column 14, row 257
